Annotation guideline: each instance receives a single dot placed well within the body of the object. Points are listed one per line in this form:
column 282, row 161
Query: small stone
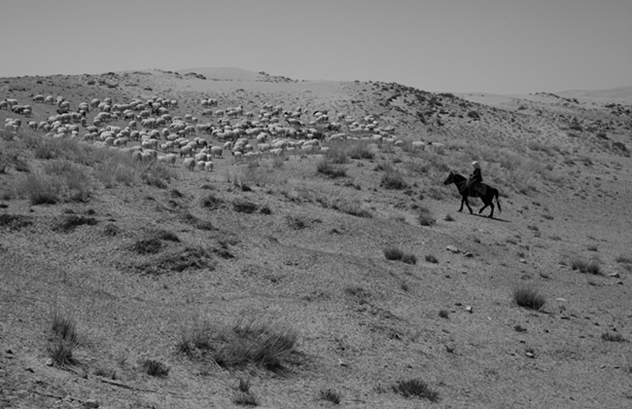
column 49, row 362
column 468, row 254
column 523, row 261
column 452, row 249
column 614, row 275
column 91, row 403
column 469, row 309
column 529, row 355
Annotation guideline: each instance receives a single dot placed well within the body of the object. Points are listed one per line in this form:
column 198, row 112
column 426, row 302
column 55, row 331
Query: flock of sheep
column 149, row 131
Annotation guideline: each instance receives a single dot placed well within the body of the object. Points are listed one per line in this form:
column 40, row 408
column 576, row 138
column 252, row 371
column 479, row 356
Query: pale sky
column 497, row 46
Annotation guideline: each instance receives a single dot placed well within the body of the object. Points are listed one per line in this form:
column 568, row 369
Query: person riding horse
column 475, row 181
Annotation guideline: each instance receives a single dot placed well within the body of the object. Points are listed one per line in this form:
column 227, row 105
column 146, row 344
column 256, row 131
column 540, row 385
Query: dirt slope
column 273, row 243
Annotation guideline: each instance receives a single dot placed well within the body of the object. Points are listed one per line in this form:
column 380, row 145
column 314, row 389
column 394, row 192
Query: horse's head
column 449, row 179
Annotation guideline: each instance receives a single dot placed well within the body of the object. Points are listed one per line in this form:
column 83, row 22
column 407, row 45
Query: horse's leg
column 467, row 203
column 462, row 201
column 491, row 215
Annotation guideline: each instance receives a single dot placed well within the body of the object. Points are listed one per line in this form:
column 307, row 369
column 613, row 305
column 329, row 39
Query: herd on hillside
column 149, row 130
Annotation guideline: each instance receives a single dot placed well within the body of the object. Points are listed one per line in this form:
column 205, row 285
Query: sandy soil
column 301, row 260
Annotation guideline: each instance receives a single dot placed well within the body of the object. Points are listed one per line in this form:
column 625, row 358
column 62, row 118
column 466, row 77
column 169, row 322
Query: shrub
column 69, row 222
column 415, row 388
column 60, row 351
column 211, row 202
column 330, row 395
column 431, row 259
column 154, row 368
column 393, row 253
column 610, row 337
column 61, row 347
column 425, row 217
column 584, row 266
column 244, row 206
column 40, row 189
column 268, row 345
column 528, row 297
column 325, row 167
column 64, row 327
column 393, row 180
column 409, row 259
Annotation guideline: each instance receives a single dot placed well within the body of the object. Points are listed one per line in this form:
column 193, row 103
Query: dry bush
column 330, row 395
column 528, row 297
column 154, row 367
column 394, row 253
column 61, row 347
column 270, row 345
column 415, row 388
column 425, row 217
column 586, row 267
column 393, row 180
column 613, row 337
column 68, row 223
column 325, row 167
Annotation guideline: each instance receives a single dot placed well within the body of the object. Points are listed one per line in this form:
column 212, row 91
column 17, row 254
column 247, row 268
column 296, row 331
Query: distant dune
column 224, row 73
column 619, row 94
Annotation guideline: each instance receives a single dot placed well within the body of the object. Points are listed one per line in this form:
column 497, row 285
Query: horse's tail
column 496, row 194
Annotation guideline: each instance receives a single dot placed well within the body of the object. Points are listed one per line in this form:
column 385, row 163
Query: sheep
column 200, row 157
column 208, row 166
column 38, row 98
column 216, row 151
column 189, row 163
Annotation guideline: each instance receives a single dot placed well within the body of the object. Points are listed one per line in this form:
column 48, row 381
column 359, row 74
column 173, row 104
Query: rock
column 49, row 362
column 529, row 355
column 523, row 261
column 469, row 254
column 614, row 275
column 452, row 249
column 91, row 403
column 469, row 309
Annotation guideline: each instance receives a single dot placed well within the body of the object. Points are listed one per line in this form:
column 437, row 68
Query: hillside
column 324, row 260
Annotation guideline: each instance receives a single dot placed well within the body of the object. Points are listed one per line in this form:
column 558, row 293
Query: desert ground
column 337, row 275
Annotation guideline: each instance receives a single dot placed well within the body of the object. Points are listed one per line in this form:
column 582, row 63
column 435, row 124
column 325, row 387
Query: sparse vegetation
column 154, row 367
column 327, row 168
column 396, row 254
column 415, row 388
column 586, row 267
column 393, row 180
column 432, row 259
column 425, row 217
column 613, row 337
column 528, row 297
column 64, row 341
column 270, row 345
column 330, row 395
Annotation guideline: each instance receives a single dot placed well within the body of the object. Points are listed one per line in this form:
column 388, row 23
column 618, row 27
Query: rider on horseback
column 475, row 181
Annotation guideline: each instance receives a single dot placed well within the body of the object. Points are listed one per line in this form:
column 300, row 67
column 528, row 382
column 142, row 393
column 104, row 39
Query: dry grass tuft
column 396, row 254
column 154, row 367
column 269, row 345
column 415, row 388
column 330, row 395
column 528, row 297
column 586, row 267
column 613, row 337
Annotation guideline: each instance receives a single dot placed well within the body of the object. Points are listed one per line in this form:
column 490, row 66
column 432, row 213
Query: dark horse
column 487, row 198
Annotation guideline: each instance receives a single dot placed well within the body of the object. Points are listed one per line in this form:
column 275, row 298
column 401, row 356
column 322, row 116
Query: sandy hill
column 323, row 259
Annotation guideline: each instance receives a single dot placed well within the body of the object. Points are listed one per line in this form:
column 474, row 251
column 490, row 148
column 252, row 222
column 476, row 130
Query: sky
column 494, row 46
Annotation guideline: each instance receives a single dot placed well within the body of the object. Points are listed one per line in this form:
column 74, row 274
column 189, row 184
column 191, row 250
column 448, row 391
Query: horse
column 461, row 184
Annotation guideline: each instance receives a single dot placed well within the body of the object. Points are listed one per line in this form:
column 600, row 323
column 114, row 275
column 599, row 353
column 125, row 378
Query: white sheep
column 189, row 163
